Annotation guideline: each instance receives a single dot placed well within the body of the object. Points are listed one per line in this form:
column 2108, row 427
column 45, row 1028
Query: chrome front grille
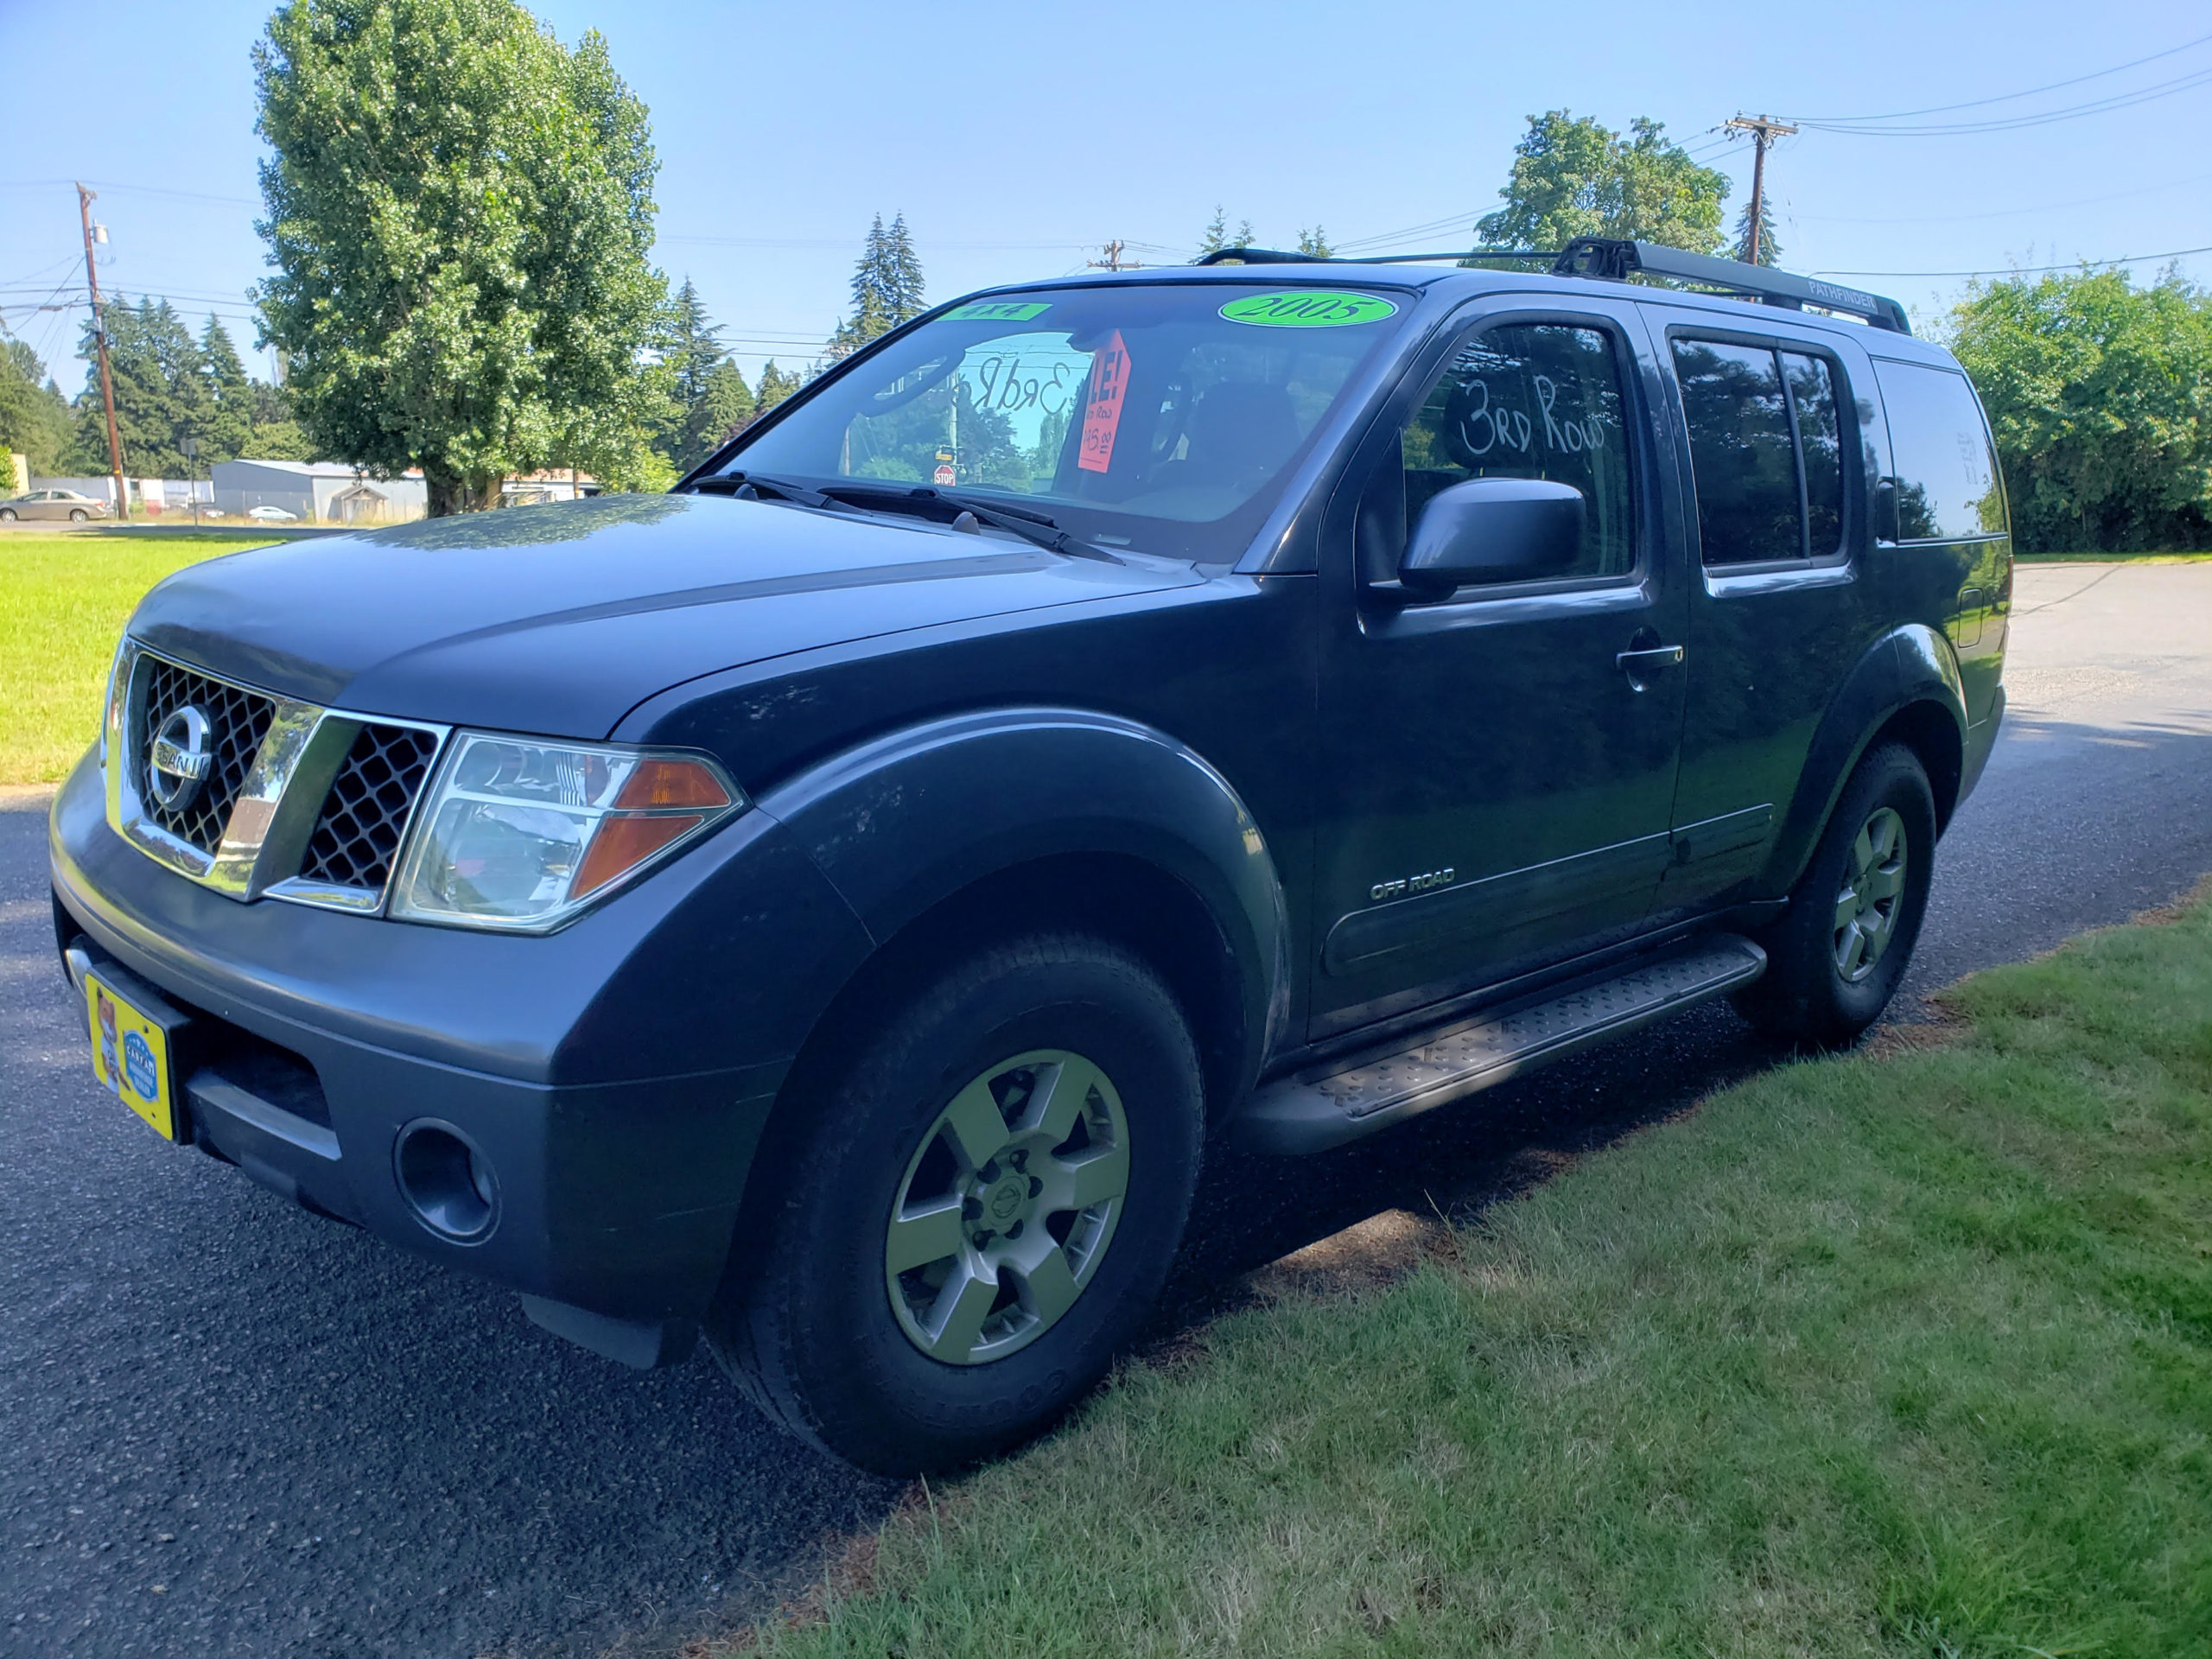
column 238, row 720
column 285, row 798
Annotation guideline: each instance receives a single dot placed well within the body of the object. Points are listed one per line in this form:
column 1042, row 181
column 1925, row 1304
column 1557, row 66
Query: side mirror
column 1493, row 530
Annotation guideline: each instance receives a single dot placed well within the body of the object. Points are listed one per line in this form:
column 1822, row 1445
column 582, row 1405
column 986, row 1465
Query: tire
column 1835, row 959
column 7, row 515
column 77, row 516
column 901, row 1368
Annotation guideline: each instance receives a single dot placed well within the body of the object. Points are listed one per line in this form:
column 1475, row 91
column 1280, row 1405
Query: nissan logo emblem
column 176, row 760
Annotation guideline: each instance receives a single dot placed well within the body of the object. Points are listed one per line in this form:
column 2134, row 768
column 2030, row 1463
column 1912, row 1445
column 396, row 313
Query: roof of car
column 1455, row 280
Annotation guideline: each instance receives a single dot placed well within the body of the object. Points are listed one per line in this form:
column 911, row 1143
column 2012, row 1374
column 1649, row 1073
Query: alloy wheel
column 1007, row 1209
column 1874, row 883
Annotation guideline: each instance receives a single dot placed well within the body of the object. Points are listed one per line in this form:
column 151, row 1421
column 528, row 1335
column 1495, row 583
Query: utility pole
column 1113, row 261
column 1763, row 131
column 84, row 199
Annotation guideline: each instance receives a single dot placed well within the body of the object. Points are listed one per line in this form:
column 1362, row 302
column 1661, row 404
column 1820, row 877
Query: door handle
column 1637, row 663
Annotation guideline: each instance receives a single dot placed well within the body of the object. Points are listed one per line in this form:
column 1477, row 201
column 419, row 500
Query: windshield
column 1162, row 419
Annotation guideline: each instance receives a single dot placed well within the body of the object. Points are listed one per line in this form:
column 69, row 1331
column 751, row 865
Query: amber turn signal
column 660, row 783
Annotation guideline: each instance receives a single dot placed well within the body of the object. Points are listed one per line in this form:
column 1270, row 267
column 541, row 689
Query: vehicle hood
column 560, row 618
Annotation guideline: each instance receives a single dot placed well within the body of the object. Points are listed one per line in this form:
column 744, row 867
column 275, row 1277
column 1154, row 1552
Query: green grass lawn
column 64, row 599
column 1906, row 1356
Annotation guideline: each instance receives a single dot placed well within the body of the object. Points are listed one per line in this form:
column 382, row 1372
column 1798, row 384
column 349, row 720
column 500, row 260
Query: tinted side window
column 1533, row 400
column 1819, row 442
column 1743, row 465
column 1947, row 478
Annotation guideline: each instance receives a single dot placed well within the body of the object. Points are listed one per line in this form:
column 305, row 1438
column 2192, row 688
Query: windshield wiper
column 1018, row 521
column 1033, row 527
column 751, row 487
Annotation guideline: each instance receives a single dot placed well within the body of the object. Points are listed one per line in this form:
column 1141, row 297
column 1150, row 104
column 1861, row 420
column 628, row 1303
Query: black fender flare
column 1910, row 664
column 903, row 822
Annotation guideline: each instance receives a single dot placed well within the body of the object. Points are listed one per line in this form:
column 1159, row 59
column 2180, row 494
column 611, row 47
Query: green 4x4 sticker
column 998, row 311
column 1309, row 309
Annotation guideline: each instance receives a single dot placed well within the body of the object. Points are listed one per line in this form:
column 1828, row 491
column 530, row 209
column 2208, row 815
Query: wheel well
column 1931, row 733
column 1118, row 898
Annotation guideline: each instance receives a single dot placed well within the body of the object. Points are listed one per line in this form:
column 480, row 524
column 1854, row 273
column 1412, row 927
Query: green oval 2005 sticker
column 1309, row 309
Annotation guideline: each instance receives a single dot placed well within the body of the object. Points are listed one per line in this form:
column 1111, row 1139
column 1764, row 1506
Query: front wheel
column 978, row 1209
column 7, row 515
column 1835, row 959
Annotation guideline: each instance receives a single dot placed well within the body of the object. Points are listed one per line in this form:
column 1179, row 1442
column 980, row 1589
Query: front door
column 1500, row 763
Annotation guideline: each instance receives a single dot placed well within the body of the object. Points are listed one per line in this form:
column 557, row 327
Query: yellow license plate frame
column 130, row 1054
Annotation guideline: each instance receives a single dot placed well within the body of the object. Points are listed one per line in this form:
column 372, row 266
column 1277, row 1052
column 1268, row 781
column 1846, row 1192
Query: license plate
column 130, row 1054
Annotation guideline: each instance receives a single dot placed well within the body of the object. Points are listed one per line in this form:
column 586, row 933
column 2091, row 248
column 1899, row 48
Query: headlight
column 523, row 835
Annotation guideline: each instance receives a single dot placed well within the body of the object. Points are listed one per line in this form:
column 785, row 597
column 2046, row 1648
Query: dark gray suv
column 835, row 905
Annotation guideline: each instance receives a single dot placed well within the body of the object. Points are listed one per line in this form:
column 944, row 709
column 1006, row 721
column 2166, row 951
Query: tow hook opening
column 446, row 1181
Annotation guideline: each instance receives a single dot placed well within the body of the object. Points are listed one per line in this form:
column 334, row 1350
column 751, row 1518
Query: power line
column 2028, row 270
column 2013, row 124
column 2008, row 97
column 128, row 189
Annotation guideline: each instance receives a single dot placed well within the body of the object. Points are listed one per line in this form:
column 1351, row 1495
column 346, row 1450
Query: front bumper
column 615, row 1076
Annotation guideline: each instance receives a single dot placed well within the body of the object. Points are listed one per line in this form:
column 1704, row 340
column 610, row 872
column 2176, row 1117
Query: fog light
column 446, row 1181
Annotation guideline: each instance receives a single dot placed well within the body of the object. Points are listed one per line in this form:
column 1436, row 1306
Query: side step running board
column 1314, row 1110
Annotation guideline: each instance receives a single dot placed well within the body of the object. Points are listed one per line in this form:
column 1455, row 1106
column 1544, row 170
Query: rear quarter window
column 1947, row 478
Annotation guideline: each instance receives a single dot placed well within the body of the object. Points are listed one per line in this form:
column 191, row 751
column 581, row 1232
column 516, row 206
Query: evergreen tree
column 1217, row 236
column 228, row 430
column 906, row 293
column 1315, row 242
column 159, row 395
column 691, row 351
column 34, row 420
column 887, row 288
column 723, row 413
column 1769, row 246
column 773, row 386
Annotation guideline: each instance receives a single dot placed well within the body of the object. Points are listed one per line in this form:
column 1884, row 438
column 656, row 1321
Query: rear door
column 1779, row 473
column 1494, row 785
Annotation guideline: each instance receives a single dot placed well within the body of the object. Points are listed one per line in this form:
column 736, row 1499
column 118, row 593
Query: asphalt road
column 233, row 1428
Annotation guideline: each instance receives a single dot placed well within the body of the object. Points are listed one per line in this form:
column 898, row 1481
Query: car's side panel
column 1172, row 727
column 1910, row 664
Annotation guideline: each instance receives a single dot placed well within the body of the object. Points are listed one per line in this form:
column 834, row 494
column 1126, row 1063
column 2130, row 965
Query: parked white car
column 272, row 514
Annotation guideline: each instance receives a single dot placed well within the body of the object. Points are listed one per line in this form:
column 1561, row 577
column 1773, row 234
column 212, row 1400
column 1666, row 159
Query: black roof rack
column 1614, row 259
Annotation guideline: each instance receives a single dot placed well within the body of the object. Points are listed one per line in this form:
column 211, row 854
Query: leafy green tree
column 1315, row 242
column 33, row 417
column 2099, row 395
column 459, row 211
column 1573, row 176
column 1216, row 237
column 887, row 288
column 1770, row 245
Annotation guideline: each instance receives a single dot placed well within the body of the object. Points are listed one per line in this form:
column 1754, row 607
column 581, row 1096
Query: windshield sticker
column 1102, row 405
column 999, row 311
column 1309, row 309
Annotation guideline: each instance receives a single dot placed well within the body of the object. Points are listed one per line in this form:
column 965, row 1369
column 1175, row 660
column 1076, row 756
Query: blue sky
column 1016, row 139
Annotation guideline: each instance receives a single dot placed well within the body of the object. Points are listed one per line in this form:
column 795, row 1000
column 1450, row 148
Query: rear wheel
column 77, row 516
column 1835, row 959
column 980, row 1209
